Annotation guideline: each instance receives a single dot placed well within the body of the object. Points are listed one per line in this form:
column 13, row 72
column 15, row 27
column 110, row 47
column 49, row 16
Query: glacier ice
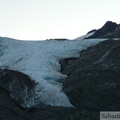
column 40, row 60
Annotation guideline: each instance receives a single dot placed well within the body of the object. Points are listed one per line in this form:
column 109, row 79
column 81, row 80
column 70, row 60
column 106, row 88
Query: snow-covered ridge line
column 40, row 60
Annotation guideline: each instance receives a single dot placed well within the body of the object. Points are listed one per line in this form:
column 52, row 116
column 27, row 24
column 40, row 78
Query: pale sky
column 45, row 19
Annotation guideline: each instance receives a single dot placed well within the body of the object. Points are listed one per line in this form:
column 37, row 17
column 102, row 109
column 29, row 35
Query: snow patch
column 85, row 36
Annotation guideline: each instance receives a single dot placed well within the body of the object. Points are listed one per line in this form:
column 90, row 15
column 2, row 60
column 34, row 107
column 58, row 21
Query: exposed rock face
column 19, row 85
column 93, row 81
column 107, row 31
column 114, row 34
column 8, row 109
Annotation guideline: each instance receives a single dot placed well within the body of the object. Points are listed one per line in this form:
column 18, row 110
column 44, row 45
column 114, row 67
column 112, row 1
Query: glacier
column 40, row 61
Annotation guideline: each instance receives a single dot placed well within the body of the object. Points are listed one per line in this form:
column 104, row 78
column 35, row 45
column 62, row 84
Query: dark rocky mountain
column 93, row 85
column 93, row 78
column 108, row 30
column 114, row 34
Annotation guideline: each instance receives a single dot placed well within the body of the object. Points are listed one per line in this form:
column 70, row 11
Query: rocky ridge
column 108, row 30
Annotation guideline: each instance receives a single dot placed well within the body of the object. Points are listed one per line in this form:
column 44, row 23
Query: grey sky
column 44, row 19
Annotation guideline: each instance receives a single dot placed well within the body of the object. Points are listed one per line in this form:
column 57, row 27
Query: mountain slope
column 108, row 30
column 93, row 78
column 114, row 34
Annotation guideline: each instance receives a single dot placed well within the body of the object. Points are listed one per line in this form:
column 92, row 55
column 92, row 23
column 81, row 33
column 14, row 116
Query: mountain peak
column 110, row 24
column 107, row 28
